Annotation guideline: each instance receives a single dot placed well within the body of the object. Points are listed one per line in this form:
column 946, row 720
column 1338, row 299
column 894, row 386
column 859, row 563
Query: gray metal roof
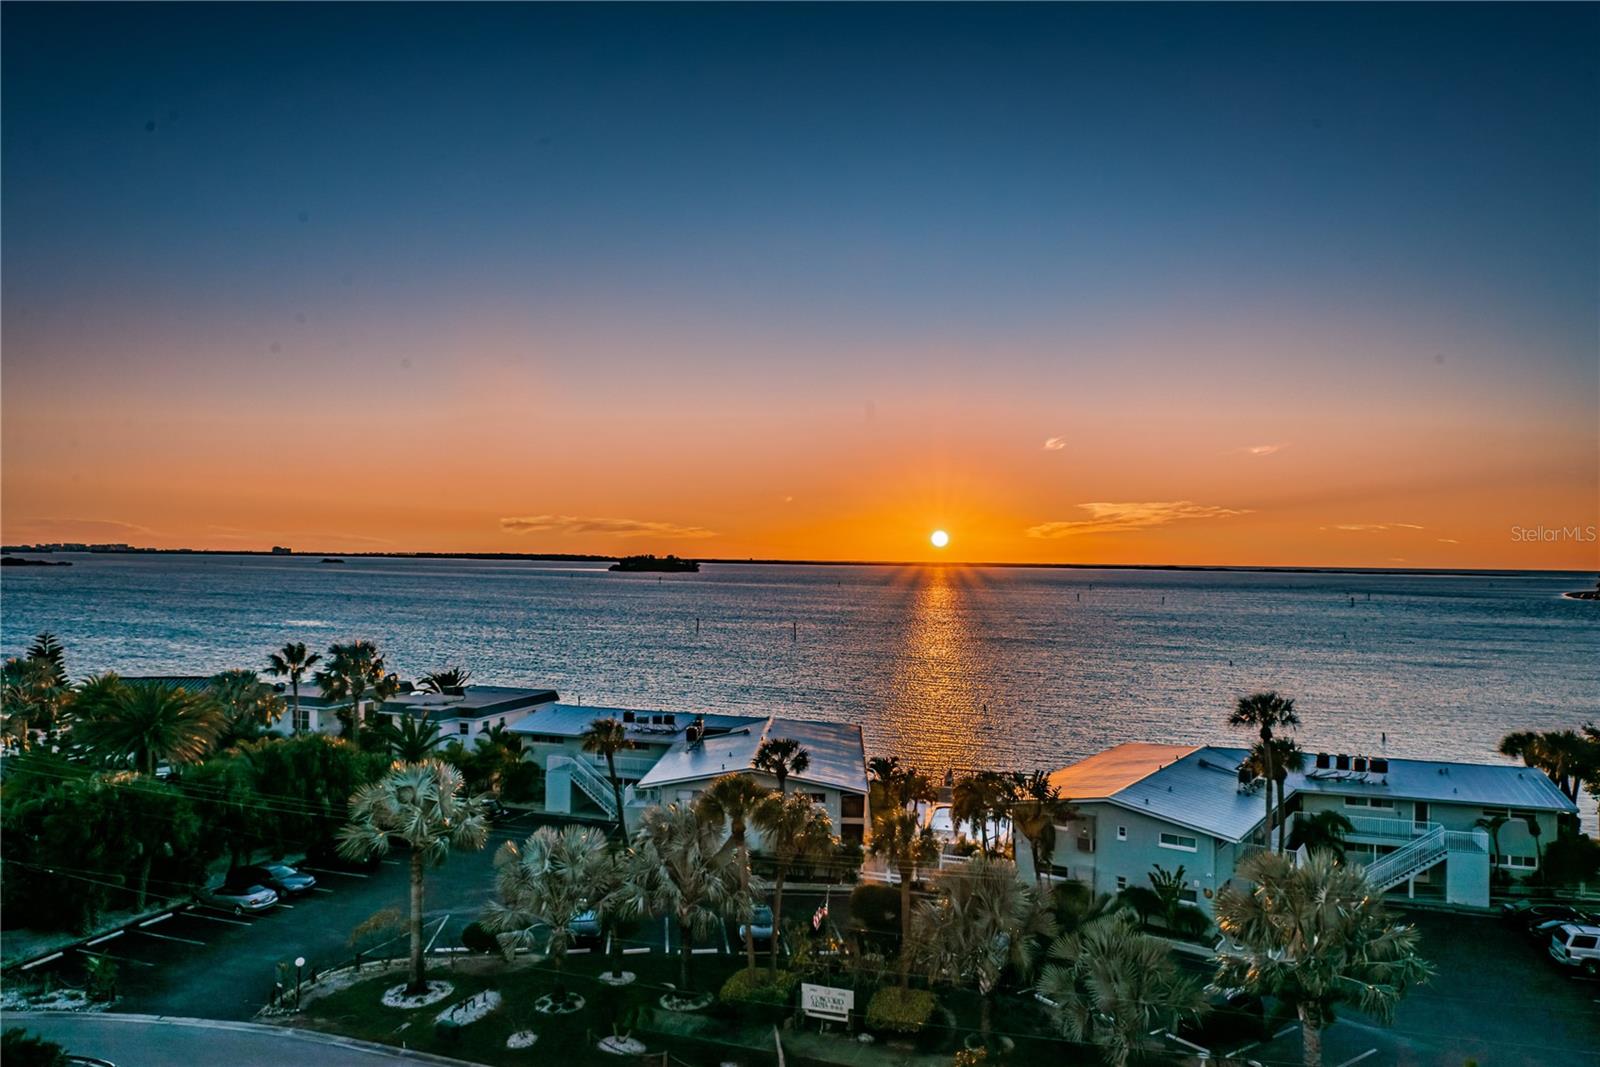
column 837, row 755
column 474, row 702
column 1482, row 784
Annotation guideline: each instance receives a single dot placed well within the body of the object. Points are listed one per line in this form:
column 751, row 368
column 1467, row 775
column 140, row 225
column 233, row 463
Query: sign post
column 827, row 1002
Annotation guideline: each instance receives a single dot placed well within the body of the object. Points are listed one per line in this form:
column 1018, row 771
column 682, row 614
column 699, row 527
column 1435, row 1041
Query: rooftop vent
column 627, row 716
column 1341, row 762
column 1361, row 764
column 1380, row 765
column 1324, row 761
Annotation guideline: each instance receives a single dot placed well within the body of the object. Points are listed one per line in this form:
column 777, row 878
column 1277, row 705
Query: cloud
column 1055, row 444
column 75, row 529
column 1105, row 518
column 1260, row 450
column 1447, row 541
column 613, row 527
column 1373, row 527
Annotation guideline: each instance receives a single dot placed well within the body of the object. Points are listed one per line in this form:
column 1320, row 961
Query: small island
column 19, row 561
column 1585, row 594
column 330, row 559
column 667, row 564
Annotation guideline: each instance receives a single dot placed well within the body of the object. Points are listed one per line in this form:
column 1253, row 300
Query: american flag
column 818, row 916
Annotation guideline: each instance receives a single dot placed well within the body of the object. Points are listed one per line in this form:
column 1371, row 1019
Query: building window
column 1122, row 833
column 1489, row 813
column 1379, row 803
column 1189, row 896
column 464, row 728
column 1521, row 863
column 1181, row 842
column 1122, row 882
column 852, row 806
column 818, row 798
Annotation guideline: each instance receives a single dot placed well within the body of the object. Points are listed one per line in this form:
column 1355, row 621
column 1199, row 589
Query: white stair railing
column 1390, row 870
column 596, row 787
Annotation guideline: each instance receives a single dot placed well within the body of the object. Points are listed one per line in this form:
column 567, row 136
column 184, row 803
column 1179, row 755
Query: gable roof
column 837, row 754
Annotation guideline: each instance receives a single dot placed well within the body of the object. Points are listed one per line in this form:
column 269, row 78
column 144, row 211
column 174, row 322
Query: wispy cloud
column 1447, row 541
column 588, row 525
column 1105, row 518
column 1054, row 444
column 1260, row 450
column 1373, row 527
column 75, row 529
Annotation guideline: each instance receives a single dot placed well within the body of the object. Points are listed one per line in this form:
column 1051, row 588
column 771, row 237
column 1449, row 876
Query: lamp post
column 299, row 967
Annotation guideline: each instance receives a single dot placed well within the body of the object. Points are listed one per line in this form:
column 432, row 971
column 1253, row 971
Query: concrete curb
column 314, row 1037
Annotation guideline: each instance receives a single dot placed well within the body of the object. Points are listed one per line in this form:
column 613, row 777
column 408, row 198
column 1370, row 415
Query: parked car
column 279, row 876
column 241, row 898
column 1577, row 947
column 760, row 924
column 587, row 926
column 1538, row 918
column 494, row 811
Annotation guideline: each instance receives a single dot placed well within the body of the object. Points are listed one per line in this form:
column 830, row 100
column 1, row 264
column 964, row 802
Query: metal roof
column 837, row 755
column 474, row 702
column 1437, row 782
column 1196, row 788
column 571, row 720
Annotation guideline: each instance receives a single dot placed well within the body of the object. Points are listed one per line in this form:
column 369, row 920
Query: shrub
column 900, row 1011
column 523, row 782
column 475, row 938
column 1189, row 923
column 757, row 985
column 18, row 1048
column 102, row 979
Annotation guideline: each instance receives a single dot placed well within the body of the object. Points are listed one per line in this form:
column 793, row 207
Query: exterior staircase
column 1422, row 853
column 594, row 785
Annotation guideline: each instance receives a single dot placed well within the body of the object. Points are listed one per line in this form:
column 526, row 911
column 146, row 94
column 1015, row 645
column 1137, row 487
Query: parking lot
column 207, row 962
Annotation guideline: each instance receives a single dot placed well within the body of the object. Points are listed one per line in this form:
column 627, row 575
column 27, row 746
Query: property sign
column 826, row 1002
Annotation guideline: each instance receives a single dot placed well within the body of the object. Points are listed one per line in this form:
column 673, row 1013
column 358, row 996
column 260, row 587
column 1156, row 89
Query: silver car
column 241, row 898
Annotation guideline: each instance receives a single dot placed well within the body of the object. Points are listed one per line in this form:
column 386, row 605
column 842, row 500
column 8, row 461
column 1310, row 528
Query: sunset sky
column 1258, row 285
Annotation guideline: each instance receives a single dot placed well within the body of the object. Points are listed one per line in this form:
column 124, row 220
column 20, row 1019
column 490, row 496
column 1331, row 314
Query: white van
column 1572, row 945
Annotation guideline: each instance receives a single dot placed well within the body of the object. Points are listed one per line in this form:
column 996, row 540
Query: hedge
column 900, row 1011
column 757, row 985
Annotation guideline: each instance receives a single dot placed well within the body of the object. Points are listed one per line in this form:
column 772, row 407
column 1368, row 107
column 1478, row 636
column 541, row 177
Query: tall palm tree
column 143, row 724
column 678, row 868
column 972, row 800
column 1037, row 810
column 1493, row 824
column 1114, row 986
column 781, row 757
column 794, row 830
column 544, row 886
column 1265, row 713
column 984, row 922
column 1321, row 831
column 607, row 737
column 30, row 698
column 356, row 672
column 733, row 799
column 408, row 738
column 294, row 661
column 443, row 681
column 249, row 706
column 425, row 805
column 1314, row 936
column 905, row 845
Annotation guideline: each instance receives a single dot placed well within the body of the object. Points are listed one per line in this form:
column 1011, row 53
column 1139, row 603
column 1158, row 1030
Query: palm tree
column 249, row 706
column 1035, row 814
column 973, row 800
column 781, row 757
column 984, row 922
column 677, row 867
column 1314, row 936
column 905, row 845
column 1265, row 712
column 48, row 649
column 545, row 886
column 1321, row 831
column 356, row 672
column 445, row 680
column 144, row 724
column 408, row 738
column 794, row 830
column 1114, row 986
column 424, row 805
column 1493, row 824
column 30, row 698
column 293, row 660
column 607, row 737
column 1275, row 766
column 734, row 799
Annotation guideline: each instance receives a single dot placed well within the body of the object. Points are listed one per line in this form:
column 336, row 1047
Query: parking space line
column 157, row 919
column 281, row 904
column 635, row 950
column 705, row 951
column 390, row 863
column 42, row 959
column 1358, row 1059
column 119, row 959
column 218, row 919
column 436, row 933
column 108, row 937
column 169, row 937
column 319, row 889
column 346, row 874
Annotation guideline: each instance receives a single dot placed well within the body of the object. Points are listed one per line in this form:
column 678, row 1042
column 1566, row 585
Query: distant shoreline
column 571, row 557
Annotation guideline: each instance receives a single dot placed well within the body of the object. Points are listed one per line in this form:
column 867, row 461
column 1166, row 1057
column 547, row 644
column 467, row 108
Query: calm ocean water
column 1001, row 667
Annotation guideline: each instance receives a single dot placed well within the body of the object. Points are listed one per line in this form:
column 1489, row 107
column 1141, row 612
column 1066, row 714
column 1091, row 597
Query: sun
column 939, row 539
